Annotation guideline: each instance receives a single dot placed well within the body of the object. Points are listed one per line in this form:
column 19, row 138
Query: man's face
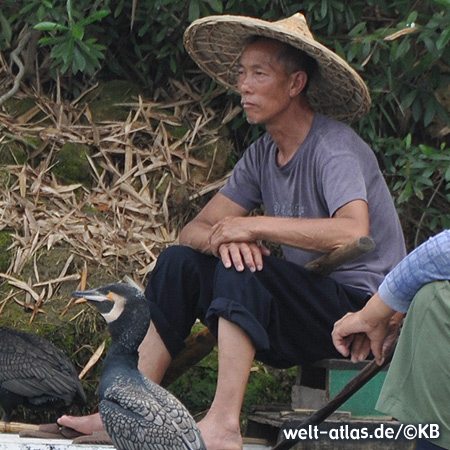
column 263, row 83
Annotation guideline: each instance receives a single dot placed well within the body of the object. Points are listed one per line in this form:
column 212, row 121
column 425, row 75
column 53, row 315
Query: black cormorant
column 136, row 413
column 35, row 373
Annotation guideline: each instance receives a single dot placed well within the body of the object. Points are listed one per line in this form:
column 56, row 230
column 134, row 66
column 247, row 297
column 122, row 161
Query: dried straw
column 137, row 165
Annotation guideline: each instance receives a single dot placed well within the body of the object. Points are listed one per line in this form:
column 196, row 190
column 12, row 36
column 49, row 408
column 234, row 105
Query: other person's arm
column 371, row 328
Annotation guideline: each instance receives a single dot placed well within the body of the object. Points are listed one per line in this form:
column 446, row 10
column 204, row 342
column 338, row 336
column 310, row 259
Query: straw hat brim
column 215, row 43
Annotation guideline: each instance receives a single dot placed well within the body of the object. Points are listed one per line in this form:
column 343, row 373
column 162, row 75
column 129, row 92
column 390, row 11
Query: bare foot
column 83, row 424
column 217, row 435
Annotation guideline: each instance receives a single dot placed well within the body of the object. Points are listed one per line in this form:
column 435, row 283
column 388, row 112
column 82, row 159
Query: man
column 416, row 389
column 321, row 187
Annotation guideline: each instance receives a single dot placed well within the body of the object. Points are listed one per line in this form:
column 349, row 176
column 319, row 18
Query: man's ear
column 298, row 82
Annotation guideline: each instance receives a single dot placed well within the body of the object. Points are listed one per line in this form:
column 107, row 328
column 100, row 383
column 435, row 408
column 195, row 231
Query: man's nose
column 243, row 83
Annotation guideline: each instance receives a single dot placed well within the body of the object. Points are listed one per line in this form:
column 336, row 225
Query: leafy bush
column 419, row 179
column 70, row 48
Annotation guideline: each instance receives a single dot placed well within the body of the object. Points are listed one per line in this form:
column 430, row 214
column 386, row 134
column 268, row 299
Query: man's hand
column 375, row 328
column 231, row 229
column 241, row 254
column 231, row 240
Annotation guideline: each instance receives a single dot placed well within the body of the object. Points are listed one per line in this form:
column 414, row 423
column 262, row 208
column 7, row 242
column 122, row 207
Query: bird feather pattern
column 147, row 403
column 34, row 372
column 136, row 413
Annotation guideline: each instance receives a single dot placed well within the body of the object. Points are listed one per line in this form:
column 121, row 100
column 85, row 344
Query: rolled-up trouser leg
column 179, row 289
column 417, row 385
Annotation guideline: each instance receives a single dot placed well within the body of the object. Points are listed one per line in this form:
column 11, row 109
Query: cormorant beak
column 91, row 296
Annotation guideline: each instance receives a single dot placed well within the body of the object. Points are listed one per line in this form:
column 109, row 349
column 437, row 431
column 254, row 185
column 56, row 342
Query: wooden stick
column 17, row 427
column 356, row 383
column 329, row 262
column 198, row 345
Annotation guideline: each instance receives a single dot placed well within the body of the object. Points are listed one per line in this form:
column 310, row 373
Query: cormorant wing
column 143, row 412
column 32, row 366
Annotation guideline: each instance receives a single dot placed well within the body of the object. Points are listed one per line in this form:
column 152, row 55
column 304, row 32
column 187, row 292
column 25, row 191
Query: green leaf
column 447, row 174
column 412, row 17
column 430, row 45
column 49, row 41
column 97, row 16
column 65, row 67
column 41, row 13
column 430, row 112
column 445, row 3
column 216, row 5
column 323, row 8
column 27, row 8
column 6, row 28
column 409, row 98
column 50, row 26
column 417, row 110
column 338, row 48
column 78, row 32
column 79, row 61
column 173, row 65
column 443, row 39
column 63, row 52
column 194, row 10
column 66, row 51
column 402, row 49
column 161, row 35
column 358, row 29
column 408, row 140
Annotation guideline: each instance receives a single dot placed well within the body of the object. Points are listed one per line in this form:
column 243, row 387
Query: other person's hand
column 375, row 327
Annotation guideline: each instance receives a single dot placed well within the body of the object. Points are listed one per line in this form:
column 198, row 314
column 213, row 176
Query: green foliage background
column 400, row 47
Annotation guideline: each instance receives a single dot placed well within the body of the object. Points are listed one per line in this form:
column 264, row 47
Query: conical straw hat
column 215, row 43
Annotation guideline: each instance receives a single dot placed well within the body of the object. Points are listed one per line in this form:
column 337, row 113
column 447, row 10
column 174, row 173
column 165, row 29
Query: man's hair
column 293, row 59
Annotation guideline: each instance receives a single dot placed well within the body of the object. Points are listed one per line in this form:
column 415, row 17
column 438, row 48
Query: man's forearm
column 196, row 234
column 320, row 235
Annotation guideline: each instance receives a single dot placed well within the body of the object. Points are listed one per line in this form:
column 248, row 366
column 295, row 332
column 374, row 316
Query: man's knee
column 179, row 262
column 176, row 256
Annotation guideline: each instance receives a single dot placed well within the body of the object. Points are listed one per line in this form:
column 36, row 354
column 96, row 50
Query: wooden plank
column 15, row 442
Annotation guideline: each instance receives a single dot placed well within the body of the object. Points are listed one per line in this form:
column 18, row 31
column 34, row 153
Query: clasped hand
column 374, row 328
column 233, row 241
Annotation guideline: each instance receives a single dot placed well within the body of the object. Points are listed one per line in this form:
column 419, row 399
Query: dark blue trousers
column 287, row 311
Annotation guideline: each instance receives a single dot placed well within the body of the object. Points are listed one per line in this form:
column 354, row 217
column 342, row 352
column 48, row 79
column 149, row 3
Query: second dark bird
column 136, row 413
column 35, row 373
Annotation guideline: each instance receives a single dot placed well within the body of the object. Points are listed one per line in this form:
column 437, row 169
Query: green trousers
column 417, row 385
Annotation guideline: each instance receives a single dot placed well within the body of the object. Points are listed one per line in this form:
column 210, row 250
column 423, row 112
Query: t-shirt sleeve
column 342, row 182
column 243, row 186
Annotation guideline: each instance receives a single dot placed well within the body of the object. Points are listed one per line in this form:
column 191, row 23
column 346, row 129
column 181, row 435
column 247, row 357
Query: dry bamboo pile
column 125, row 219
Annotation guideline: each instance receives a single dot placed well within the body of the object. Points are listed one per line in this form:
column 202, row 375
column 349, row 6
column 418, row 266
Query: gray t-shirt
column 332, row 167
